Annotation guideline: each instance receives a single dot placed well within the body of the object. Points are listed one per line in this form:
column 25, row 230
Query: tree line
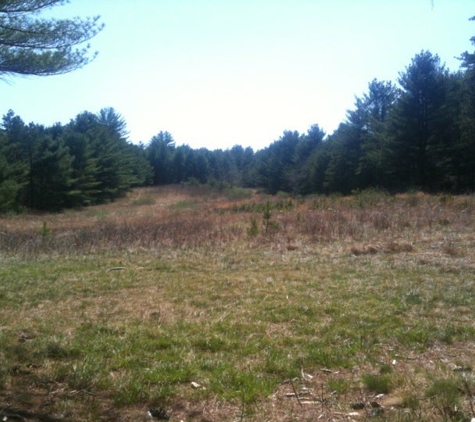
column 85, row 162
column 416, row 134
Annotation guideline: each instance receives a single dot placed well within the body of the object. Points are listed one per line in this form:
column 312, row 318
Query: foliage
column 419, row 123
column 38, row 46
column 282, row 166
column 85, row 162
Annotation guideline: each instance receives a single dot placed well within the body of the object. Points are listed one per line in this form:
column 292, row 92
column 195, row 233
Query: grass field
column 196, row 305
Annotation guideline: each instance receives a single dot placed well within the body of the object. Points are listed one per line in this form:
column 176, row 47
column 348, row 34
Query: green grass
column 144, row 200
column 239, row 329
column 183, row 205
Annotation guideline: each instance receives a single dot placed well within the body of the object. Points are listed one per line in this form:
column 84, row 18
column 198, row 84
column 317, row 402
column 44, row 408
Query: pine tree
column 416, row 139
column 160, row 151
column 51, row 176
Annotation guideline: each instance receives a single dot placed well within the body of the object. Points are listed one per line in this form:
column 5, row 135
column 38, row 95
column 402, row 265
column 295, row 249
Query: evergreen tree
column 247, row 166
column 344, row 156
column 277, row 165
column 464, row 150
column 309, row 143
column 160, row 153
column 241, row 163
column 112, row 120
column 84, row 168
column 23, row 141
column 463, row 164
column 51, row 176
column 10, row 178
column 179, row 173
column 416, row 140
column 114, row 174
column 317, row 167
column 199, row 166
column 223, row 167
column 142, row 170
column 356, row 156
column 371, row 116
column 13, row 166
column 109, row 163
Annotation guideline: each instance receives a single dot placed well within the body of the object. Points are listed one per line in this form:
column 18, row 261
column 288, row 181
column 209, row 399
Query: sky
column 219, row 73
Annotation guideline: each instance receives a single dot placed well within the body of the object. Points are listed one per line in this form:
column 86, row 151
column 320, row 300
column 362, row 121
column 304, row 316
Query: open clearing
column 196, row 305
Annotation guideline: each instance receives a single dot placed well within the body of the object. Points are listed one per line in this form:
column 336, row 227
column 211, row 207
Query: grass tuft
column 380, row 384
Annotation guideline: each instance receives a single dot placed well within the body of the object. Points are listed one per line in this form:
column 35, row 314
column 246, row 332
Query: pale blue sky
column 215, row 73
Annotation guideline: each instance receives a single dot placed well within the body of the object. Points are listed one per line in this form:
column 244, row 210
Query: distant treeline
column 419, row 134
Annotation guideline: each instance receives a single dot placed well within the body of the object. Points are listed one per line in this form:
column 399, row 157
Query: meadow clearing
column 192, row 304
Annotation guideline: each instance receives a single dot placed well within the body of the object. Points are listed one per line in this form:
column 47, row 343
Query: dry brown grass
column 179, row 219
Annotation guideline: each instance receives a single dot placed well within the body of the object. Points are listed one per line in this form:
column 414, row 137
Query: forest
column 417, row 133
